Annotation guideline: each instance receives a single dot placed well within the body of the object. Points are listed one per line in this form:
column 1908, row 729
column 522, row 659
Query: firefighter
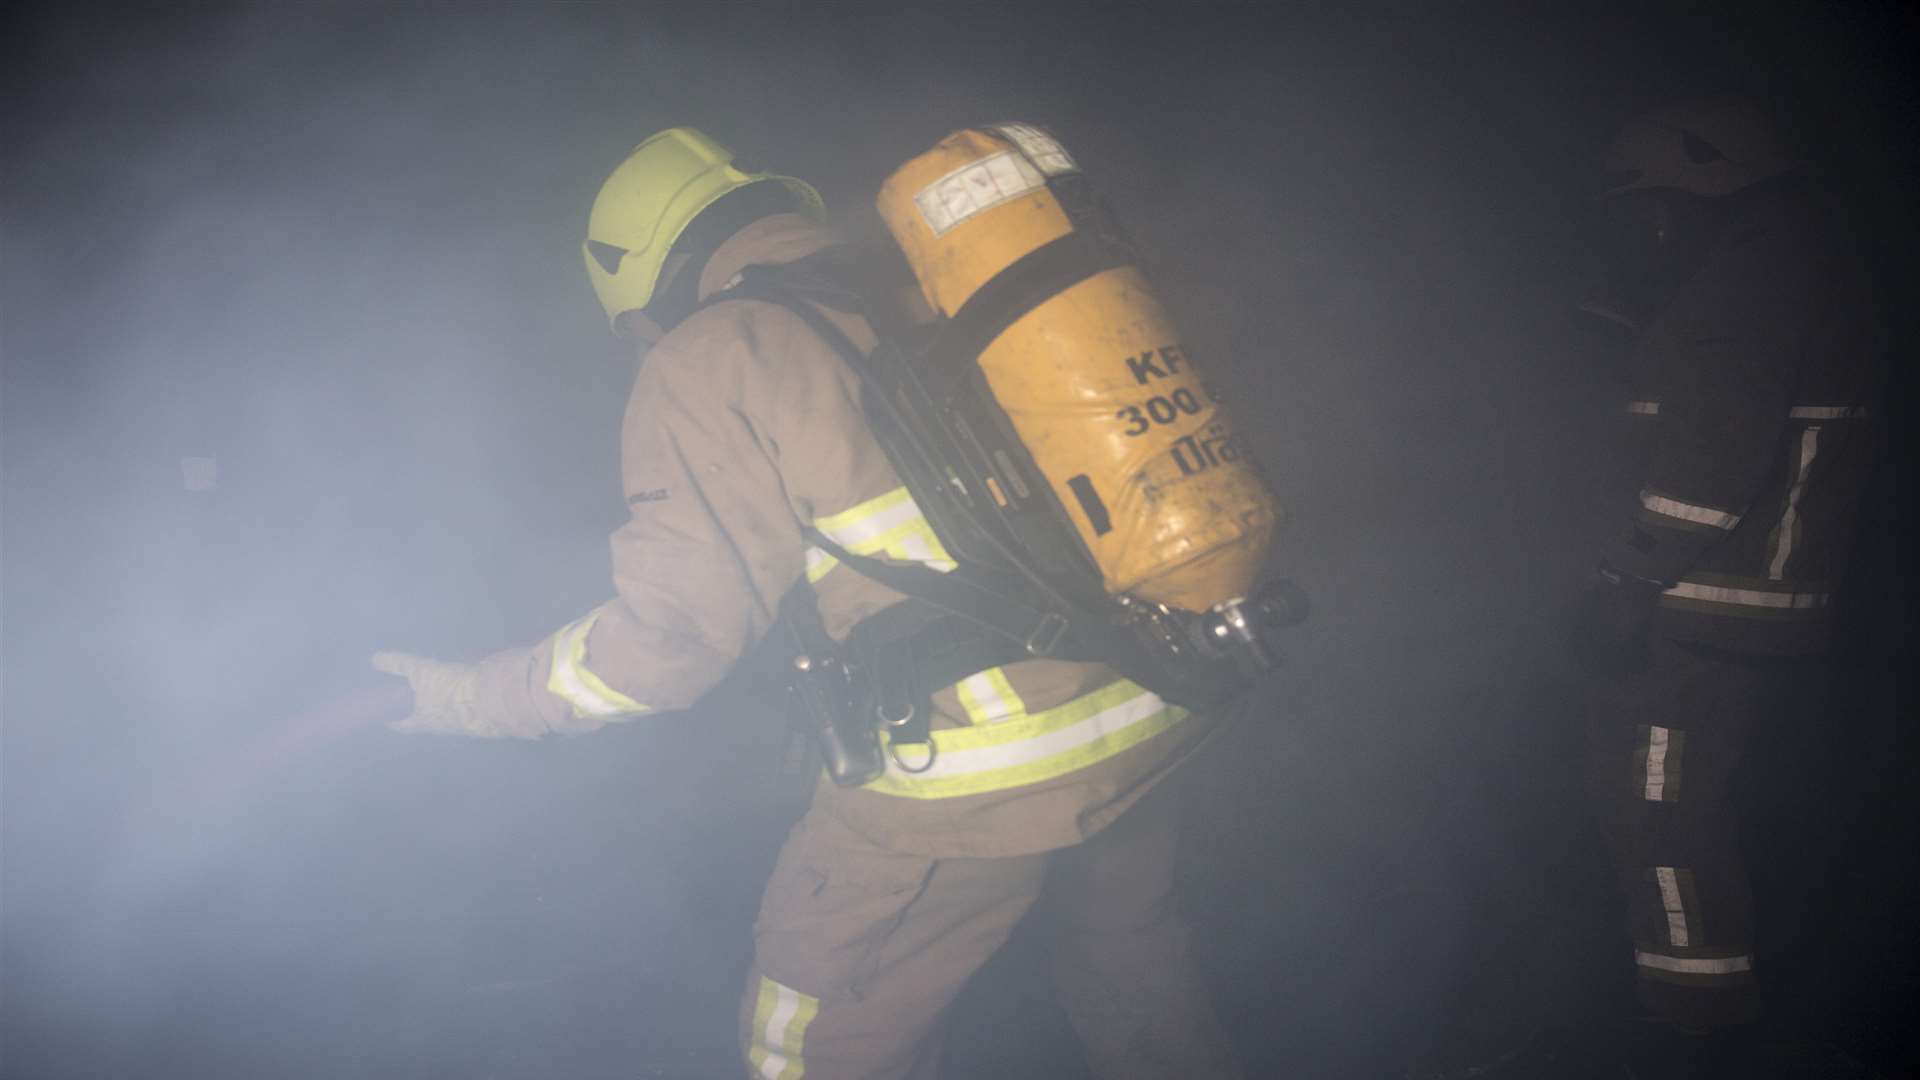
column 1754, row 370
column 744, row 428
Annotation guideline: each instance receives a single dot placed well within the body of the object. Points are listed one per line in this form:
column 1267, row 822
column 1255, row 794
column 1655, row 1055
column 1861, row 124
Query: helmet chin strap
column 1668, row 234
column 679, row 290
column 675, row 298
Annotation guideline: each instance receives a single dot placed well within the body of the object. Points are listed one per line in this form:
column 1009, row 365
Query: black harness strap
column 1007, row 297
column 969, row 592
column 913, row 649
column 1000, row 603
column 936, row 639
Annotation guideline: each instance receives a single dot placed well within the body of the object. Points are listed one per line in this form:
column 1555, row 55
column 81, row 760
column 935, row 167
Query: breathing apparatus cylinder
column 1006, row 238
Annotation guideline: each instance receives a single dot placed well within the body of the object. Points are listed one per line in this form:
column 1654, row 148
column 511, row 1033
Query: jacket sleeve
column 709, row 548
column 1728, row 359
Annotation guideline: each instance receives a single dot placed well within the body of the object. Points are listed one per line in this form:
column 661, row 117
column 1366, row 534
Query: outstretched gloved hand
column 444, row 693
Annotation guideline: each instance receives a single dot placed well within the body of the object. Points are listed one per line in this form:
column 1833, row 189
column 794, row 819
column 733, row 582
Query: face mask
column 1654, row 241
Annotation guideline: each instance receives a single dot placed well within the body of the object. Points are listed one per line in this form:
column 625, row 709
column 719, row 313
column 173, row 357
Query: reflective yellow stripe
column 781, row 1015
column 570, row 680
column 890, row 525
column 1041, row 746
column 1685, row 511
column 989, row 698
column 819, row 565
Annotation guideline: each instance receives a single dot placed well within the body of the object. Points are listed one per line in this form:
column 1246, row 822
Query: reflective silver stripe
column 781, row 1017
column 1676, row 908
column 819, row 565
column 1658, row 741
column 1798, row 412
column 922, row 547
column 786, row 1005
column 1699, row 515
column 865, row 525
column 889, row 525
column 1783, row 533
column 1693, row 965
column 989, row 698
column 569, row 679
column 1602, row 310
column 1140, row 708
column 1040, row 746
column 1716, row 594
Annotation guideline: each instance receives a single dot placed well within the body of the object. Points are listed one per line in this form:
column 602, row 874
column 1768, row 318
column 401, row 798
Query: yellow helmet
column 1704, row 146
column 650, row 200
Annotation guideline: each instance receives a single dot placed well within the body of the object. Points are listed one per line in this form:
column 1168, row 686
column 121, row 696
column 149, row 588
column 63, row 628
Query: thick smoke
column 301, row 363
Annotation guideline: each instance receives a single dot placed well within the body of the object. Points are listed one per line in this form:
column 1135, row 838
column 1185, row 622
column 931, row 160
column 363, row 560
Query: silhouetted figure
column 1754, row 376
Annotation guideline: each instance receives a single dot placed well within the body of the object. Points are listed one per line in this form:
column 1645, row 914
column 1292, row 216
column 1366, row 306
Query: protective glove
column 444, row 693
column 1610, row 628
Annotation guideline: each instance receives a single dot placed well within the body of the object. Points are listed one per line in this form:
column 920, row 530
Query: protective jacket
column 1753, row 411
column 743, row 429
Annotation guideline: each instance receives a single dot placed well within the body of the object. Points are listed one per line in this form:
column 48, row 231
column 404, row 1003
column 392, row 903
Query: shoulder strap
column 999, row 602
column 972, row 593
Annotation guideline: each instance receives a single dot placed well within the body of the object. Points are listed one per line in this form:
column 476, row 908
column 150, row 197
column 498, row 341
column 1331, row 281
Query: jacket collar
column 770, row 241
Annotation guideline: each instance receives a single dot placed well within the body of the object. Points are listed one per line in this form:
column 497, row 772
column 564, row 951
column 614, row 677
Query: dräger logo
column 656, row 495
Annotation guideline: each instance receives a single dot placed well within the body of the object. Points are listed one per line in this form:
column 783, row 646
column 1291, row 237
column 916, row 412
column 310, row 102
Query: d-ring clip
column 894, row 753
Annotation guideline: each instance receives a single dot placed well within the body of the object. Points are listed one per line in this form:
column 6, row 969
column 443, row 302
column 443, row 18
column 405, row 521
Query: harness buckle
column 1046, row 634
column 933, row 753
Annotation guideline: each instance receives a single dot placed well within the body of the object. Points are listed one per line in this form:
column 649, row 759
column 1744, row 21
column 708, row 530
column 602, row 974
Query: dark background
column 335, row 247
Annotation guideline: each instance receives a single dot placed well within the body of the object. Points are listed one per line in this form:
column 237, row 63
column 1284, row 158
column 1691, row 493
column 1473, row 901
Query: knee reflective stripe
column 569, row 679
column 1041, row 746
column 780, row 1018
column 1644, row 408
column 1787, row 531
column 1657, row 762
column 1731, row 599
column 1693, row 970
column 1679, row 901
column 889, row 525
column 1672, row 511
column 1827, row 412
column 989, row 698
column 819, row 565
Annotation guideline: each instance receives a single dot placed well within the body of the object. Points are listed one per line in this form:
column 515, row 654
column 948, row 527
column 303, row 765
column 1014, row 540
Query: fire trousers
column 1662, row 746
column 859, row 950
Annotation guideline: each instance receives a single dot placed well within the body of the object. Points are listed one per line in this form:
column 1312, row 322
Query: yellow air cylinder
column 1095, row 380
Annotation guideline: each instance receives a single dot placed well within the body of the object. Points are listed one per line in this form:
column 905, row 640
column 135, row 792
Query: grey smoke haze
column 335, row 249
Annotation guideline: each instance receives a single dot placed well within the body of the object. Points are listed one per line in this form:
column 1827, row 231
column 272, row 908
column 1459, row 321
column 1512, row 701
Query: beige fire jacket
column 742, row 428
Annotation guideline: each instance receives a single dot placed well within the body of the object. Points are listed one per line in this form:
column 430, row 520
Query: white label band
column 970, row 189
column 1041, row 148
